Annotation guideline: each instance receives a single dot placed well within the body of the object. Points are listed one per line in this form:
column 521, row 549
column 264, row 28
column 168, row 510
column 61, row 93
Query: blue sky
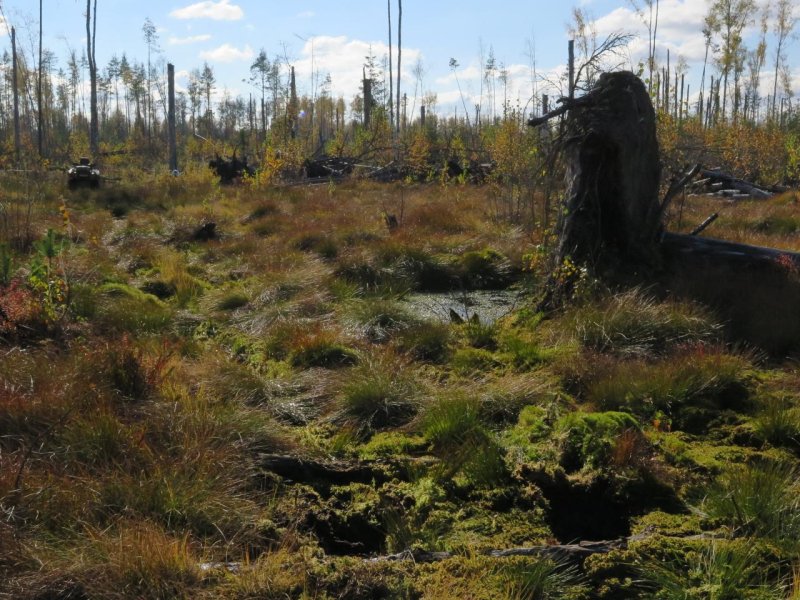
column 335, row 37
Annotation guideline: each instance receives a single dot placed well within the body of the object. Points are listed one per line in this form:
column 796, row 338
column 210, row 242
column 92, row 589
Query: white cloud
column 227, row 54
column 344, row 58
column 306, row 14
column 192, row 39
column 222, row 10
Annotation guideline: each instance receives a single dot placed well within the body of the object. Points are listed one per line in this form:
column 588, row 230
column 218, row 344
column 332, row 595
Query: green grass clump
column 484, row 270
column 427, row 341
column 378, row 393
column 324, row 353
column 459, row 438
column 634, row 324
column 761, row 499
column 778, row 422
column 124, row 308
column 719, row 569
column 689, row 388
column 468, row 361
column 380, row 319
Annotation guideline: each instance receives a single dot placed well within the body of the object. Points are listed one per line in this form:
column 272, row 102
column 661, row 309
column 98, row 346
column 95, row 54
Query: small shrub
column 21, row 313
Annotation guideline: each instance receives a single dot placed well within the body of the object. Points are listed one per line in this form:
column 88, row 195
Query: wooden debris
column 716, row 182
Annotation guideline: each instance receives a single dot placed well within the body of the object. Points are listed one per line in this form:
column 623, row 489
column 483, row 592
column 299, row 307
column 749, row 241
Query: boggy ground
column 250, row 410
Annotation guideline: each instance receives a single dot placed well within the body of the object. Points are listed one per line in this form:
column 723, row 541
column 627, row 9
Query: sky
column 324, row 37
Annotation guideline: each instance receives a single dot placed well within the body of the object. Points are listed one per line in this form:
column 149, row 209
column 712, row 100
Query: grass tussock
column 634, row 324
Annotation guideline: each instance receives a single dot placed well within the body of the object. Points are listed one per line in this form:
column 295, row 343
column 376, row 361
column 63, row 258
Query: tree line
column 57, row 112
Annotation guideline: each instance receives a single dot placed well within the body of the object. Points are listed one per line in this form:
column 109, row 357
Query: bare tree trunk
column 391, row 83
column 40, row 132
column 16, row 93
column 91, row 31
column 399, row 52
column 173, row 149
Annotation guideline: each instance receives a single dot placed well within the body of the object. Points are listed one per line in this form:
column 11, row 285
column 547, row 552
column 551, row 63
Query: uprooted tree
column 611, row 219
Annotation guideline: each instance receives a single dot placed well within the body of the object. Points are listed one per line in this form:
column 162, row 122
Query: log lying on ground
column 718, row 183
column 577, row 552
column 683, row 247
column 308, row 470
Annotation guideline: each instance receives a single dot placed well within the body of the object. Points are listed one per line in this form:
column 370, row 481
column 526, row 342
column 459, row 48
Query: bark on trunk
column 611, row 215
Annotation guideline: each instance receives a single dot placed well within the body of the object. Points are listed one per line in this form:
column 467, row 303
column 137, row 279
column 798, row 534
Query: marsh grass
column 127, row 462
column 453, row 426
column 380, row 392
column 727, row 570
column 686, row 386
column 633, row 323
column 543, row 579
column 778, row 421
column 758, row 499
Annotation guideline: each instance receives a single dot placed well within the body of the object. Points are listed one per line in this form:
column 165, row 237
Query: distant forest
column 279, row 128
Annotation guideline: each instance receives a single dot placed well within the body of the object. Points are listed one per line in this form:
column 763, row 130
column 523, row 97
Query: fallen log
column 576, row 552
column 678, row 246
column 307, row 470
column 728, row 185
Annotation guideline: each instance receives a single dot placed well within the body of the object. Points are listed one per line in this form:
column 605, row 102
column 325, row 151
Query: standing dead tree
column 610, row 222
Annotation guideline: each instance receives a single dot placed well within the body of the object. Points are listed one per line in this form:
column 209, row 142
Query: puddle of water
column 489, row 305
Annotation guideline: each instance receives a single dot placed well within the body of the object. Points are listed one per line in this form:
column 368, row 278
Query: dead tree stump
column 611, row 217
column 611, row 224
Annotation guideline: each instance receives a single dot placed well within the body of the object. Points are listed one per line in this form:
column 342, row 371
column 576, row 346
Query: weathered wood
column 309, row 470
column 705, row 224
column 572, row 552
column 611, row 215
column 728, row 185
column 679, row 246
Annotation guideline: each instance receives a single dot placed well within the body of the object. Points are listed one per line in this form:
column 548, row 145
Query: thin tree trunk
column 16, row 93
column 399, row 52
column 40, row 132
column 173, row 148
column 391, row 84
column 91, row 30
